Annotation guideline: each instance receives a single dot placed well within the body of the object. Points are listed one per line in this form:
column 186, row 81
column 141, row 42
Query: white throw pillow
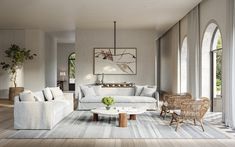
column 39, row 96
column 149, row 92
column 57, row 93
column 47, row 93
column 138, row 90
column 82, row 87
column 27, row 96
column 97, row 90
column 88, row 91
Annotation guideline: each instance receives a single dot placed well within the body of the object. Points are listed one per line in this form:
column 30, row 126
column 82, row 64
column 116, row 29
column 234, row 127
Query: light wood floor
column 6, row 128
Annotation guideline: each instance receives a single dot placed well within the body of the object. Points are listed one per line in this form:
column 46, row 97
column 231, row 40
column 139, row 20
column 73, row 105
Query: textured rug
column 79, row 124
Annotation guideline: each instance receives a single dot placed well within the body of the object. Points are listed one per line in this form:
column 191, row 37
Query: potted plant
column 16, row 56
column 108, row 101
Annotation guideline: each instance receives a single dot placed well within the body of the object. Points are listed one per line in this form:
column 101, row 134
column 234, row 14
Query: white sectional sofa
column 130, row 97
column 41, row 114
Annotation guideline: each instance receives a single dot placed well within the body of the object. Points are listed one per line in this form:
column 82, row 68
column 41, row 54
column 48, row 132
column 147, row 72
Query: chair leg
column 161, row 113
column 202, row 125
column 164, row 115
column 172, row 119
column 177, row 125
column 194, row 120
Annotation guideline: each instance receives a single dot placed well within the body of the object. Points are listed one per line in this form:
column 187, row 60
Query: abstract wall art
column 115, row 61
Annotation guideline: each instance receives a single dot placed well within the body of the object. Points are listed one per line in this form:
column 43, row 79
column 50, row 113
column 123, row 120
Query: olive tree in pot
column 16, row 57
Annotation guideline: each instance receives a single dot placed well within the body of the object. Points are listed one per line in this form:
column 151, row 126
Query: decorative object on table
column 99, row 79
column 16, row 57
column 115, row 60
column 108, row 101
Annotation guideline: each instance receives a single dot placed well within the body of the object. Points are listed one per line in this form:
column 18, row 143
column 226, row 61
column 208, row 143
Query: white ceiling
column 60, row 15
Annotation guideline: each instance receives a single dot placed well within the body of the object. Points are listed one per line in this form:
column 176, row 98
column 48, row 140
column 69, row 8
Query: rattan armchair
column 173, row 102
column 192, row 110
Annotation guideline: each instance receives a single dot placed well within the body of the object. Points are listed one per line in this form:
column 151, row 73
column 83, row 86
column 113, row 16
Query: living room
column 117, row 73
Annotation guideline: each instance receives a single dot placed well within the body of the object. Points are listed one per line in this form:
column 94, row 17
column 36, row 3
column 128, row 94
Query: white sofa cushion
column 149, row 92
column 88, row 91
column 57, row 93
column 120, row 99
column 47, row 93
column 138, row 90
column 27, row 96
column 39, row 96
column 97, row 89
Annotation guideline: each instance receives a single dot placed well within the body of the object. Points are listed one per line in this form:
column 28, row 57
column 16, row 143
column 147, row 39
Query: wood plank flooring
column 6, row 128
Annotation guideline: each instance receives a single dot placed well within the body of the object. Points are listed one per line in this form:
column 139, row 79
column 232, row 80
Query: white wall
column 51, row 61
column 34, row 71
column 63, row 52
column 143, row 40
column 8, row 37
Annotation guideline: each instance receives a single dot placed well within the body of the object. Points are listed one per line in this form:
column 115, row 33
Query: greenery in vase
column 108, row 100
column 17, row 56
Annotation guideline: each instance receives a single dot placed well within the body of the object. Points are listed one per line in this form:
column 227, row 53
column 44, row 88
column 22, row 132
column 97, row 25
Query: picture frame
column 119, row 61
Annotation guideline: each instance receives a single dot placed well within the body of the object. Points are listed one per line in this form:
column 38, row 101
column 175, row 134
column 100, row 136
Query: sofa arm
column 156, row 96
column 16, row 99
column 33, row 115
column 69, row 96
column 79, row 94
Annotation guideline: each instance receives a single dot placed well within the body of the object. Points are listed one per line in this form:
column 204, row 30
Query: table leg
column 132, row 116
column 95, row 117
column 122, row 120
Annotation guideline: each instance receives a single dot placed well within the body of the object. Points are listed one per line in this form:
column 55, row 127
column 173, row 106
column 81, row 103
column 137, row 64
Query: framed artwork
column 121, row 61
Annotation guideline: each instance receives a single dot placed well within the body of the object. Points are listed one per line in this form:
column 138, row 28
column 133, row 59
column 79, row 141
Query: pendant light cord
column 114, row 37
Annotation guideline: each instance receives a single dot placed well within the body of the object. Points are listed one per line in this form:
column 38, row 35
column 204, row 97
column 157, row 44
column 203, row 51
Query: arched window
column 71, row 71
column 211, row 66
column 216, row 51
column 184, row 66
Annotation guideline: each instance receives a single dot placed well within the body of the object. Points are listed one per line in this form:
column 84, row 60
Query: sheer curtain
column 193, row 52
column 228, row 87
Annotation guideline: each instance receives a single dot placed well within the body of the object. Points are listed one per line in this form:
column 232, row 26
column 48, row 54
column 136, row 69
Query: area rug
column 79, row 124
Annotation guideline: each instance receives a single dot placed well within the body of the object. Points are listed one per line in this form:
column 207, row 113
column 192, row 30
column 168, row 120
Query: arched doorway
column 71, row 71
column 211, row 66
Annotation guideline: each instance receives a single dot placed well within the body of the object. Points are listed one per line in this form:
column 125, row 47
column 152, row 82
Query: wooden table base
column 122, row 118
column 95, row 117
column 132, row 116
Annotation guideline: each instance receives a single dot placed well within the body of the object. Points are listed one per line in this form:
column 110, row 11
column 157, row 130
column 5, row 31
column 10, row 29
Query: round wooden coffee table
column 122, row 113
